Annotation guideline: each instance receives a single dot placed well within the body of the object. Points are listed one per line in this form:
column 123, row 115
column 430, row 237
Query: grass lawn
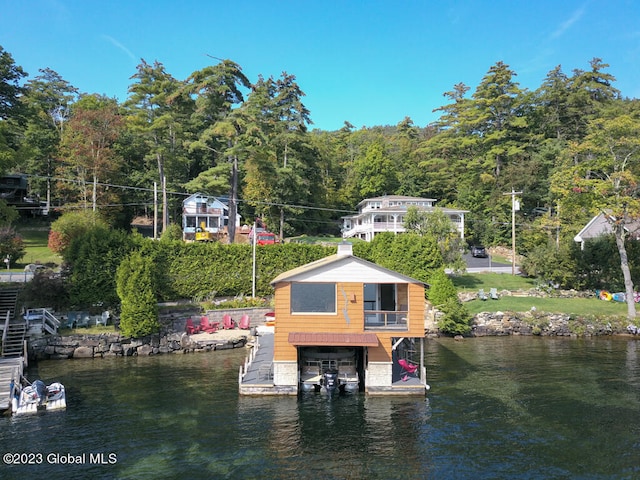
column 472, row 282
column 319, row 240
column 92, row 330
column 573, row 306
column 35, row 236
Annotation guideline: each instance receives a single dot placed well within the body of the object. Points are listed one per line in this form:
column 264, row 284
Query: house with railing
column 386, row 214
column 345, row 319
column 202, row 212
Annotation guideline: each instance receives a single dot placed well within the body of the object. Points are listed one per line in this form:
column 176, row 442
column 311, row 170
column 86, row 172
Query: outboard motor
column 330, row 380
column 41, row 390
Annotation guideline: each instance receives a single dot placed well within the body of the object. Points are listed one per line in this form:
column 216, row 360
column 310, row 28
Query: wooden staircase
column 14, row 329
column 13, row 339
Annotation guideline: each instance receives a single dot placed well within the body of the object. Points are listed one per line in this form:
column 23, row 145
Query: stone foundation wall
column 59, row 347
column 533, row 323
column 172, row 339
column 285, row 374
column 379, row 374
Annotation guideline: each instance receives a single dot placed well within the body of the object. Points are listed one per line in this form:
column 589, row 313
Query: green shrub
column 92, row 260
column 173, row 232
column 11, row 245
column 70, row 226
column 443, row 294
column 456, row 319
column 441, row 289
column 136, row 289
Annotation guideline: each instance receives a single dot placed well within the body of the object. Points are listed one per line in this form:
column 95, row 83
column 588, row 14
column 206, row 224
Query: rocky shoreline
column 174, row 340
column 540, row 324
column 63, row 347
column 171, row 340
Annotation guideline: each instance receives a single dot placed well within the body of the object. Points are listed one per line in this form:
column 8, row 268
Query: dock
column 256, row 376
column 10, row 368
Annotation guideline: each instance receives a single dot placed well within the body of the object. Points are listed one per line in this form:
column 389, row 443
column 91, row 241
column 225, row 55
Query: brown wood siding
column 337, row 323
column 416, row 310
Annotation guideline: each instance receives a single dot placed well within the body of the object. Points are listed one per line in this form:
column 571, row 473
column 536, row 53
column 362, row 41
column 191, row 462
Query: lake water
column 505, row 407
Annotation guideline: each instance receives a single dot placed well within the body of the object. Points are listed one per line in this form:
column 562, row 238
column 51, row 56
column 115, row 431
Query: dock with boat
column 11, row 369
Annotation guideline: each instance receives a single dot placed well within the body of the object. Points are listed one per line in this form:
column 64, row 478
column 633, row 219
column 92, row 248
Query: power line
column 184, row 194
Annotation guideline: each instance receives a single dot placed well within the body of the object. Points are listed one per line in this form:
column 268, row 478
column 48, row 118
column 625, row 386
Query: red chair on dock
column 191, row 328
column 207, row 326
column 228, row 323
column 244, row 322
column 408, row 368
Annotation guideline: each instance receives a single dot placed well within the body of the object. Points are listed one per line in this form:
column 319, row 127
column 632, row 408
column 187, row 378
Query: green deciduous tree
column 48, row 99
column 604, row 172
column 11, row 109
column 88, row 146
column 71, row 225
column 11, row 245
column 437, row 225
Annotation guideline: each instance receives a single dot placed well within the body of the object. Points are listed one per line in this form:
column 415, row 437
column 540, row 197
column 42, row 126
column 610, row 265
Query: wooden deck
column 10, row 367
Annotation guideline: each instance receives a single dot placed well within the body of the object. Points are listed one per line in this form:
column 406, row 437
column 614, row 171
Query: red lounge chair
column 228, row 323
column 244, row 322
column 191, row 328
column 207, row 326
column 408, row 368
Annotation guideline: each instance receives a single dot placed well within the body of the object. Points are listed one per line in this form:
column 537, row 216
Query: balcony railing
column 385, row 320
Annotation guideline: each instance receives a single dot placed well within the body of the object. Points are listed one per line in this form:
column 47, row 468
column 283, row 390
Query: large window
column 313, row 298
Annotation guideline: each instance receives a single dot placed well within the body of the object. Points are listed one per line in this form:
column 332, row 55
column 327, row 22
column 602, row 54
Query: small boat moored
column 37, row 397
column 328, row 370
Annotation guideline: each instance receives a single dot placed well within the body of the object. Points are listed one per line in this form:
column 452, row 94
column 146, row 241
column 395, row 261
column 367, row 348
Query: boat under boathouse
column 344, row 323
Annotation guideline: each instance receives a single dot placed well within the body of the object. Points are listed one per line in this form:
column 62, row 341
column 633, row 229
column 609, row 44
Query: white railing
column 50, row 323
column 249, row 359
column 16, row 277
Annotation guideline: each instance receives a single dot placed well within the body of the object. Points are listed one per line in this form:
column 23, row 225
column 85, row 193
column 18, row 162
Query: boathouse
column 350, row 315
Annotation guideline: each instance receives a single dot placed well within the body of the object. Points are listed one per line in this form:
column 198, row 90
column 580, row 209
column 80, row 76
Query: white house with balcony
column 386, row 214
column 204, row 211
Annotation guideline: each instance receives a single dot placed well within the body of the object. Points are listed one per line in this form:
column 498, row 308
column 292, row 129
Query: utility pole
column 254, row 241
column 155, row 210
column 515, row 205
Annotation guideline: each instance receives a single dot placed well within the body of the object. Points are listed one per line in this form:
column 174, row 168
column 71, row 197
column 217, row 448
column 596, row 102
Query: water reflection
column 337, row 434
column 499, row 408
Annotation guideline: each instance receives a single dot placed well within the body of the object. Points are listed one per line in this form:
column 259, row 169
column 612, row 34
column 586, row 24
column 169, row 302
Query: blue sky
column 366, row 62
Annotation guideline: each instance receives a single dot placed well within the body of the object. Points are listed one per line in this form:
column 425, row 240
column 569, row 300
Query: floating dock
column 10, row 368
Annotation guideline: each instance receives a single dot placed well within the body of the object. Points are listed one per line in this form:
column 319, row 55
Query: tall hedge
column 417, row 256
column 226, row 270
column 139, row 306
column 200, row 270
column 92, row 260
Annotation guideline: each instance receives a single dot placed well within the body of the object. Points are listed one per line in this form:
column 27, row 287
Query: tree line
column 570, row 146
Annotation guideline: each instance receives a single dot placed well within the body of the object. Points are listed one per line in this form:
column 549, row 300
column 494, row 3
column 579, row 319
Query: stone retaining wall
column 528, row 323
column 172, row 339
column 543, row 324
